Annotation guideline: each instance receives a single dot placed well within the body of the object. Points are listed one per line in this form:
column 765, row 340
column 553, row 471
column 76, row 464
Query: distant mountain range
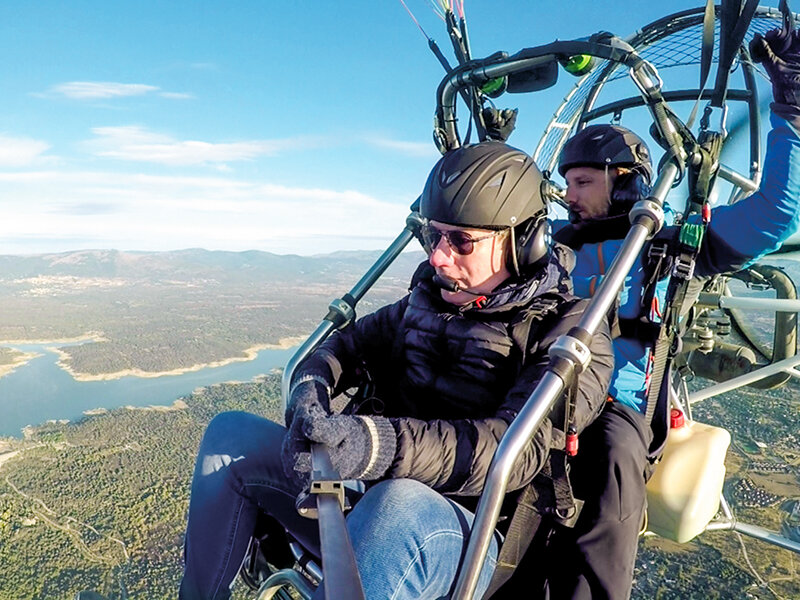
column 160, row 311
column 194, row 262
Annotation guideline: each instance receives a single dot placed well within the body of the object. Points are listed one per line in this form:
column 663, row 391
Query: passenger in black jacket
column 451, row 369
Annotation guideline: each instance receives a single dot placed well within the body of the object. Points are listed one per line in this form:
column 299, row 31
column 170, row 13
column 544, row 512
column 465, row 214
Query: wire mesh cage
column 668, row 44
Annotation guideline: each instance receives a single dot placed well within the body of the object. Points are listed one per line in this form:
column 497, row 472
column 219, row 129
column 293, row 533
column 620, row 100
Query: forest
column 101, row 504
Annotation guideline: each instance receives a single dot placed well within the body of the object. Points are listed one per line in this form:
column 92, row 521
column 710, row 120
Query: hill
column 161, row 311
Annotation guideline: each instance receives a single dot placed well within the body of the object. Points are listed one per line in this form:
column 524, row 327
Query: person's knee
column 238, row 428
column 233, row 436
column 628, row 456
column 391, row 494
column 223, row 427
column 400, row 505
column 616, row 442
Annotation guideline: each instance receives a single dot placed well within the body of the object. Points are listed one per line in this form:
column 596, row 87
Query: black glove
column 779, row 51
column 499, row 123
column 359, row 447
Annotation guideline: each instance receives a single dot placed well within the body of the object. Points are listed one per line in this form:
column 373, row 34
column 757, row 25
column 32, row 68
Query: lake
column 40, row 390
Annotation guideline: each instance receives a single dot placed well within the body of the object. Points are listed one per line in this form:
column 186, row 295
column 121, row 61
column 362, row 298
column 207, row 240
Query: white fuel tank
column 683, row 493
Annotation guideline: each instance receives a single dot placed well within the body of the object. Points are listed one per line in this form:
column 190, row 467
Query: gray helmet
column 490, row 185
column 602, row 146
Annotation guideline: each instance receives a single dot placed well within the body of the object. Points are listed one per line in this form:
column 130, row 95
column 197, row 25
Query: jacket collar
column 515, row 292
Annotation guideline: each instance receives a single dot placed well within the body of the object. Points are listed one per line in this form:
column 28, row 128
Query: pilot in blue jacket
column 607, row 168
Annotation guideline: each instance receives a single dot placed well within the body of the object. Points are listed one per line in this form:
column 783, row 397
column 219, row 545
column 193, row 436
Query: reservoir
column 40, row 390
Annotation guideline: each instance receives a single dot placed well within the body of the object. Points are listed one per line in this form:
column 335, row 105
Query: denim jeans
column 408, row 539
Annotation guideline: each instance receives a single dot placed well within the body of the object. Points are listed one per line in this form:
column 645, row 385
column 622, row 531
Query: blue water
column 40, row 390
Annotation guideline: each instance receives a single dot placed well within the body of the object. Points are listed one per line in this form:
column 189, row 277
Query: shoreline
column 24, row 358
column 250, row 354
column 20, row 360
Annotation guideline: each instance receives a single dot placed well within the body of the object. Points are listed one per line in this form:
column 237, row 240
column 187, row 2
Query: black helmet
column 490, row 185
column 602, row 146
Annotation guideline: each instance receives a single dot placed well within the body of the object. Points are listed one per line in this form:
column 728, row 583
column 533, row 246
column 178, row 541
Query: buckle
column 683, row 267
column 658, row 250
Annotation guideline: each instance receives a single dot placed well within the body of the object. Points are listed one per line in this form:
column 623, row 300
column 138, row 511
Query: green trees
column 87, row 505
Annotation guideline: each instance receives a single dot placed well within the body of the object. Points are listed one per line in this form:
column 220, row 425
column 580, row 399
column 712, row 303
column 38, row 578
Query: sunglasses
column 459, row 241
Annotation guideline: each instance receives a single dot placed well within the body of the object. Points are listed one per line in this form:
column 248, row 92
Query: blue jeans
column 408, row 539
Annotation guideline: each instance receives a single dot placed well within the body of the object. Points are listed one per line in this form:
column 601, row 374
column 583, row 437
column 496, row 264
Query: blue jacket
column 736, row 237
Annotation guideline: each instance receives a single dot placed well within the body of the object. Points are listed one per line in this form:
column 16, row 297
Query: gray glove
column 359, row 447
column 296, row 450
column 309, row 398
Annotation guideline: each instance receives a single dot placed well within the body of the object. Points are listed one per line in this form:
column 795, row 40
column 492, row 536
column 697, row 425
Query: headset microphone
column 451, row 285
column 447, row 284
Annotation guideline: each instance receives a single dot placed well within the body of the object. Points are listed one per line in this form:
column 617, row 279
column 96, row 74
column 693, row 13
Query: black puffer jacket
column 451, row 379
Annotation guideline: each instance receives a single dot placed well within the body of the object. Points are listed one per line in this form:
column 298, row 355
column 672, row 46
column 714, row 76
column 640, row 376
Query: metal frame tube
column 279, row 580
column 766, row 535
column 735, row 302
column 743, row 183
column 357, row 292
column 544, row 397
column 472, row 74
column 756, row 532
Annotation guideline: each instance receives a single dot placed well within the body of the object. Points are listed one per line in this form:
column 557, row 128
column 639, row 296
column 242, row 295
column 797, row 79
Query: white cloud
column 425, row 150
column 48, row 211
column 176, row 96
column 20, row 152
column 138, row 144
column 91, row 90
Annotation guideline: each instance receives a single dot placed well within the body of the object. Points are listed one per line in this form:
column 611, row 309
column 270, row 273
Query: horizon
column 409, row 249
column 259, row 126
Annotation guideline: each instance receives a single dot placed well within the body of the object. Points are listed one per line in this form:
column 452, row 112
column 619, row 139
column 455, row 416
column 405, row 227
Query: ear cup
column 532, row 241
column 628, row 189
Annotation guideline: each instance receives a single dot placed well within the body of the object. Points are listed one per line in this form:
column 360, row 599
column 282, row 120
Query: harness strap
column 684, row 250
column 548, row 495
column 734, row 21
column 565, row 508
column 521, row 531
column 660, row 356
column 706, row 55
column 550, row 492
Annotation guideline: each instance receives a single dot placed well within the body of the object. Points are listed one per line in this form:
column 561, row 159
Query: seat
column 276, row 563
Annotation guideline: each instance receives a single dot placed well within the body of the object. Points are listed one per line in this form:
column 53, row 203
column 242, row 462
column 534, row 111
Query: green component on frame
column 580, row 64
column 494, row 87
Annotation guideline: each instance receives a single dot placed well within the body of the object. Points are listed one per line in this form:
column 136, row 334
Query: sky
column 292, row 127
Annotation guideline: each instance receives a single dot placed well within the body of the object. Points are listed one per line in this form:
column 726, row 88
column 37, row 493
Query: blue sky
column 291, row 127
